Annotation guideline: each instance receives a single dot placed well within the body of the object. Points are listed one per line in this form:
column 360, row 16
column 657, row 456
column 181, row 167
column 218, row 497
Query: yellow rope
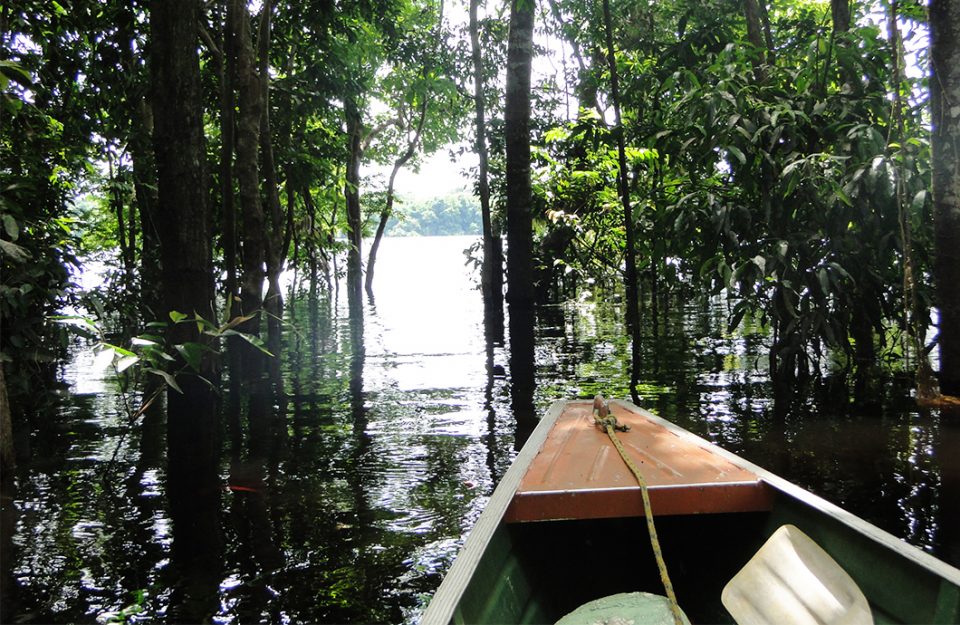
column 603, row 418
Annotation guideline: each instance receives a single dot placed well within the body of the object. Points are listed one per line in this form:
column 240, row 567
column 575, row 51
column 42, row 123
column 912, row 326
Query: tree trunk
column 125, row 241
column 630, row 276
column 145, row 187
column 751, row 11
column 8, row 457
column 275, row 234
column 388, row 207
column 180, row 148
column 382, row 225
column 840, row 14
column 945, row 143
column 253, row 254
column 352, row 194
column 492, row 270
column 185, row 248
column 520, row 270
column 228, row 209
column 142, row 166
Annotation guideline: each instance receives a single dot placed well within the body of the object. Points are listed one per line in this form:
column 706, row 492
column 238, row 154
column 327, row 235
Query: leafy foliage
column 778, row 188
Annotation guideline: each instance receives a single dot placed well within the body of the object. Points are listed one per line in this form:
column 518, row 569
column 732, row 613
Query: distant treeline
column 457, row 213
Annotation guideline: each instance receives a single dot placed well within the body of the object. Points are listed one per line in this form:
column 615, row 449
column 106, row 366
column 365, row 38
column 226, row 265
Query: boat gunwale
column 443, row 605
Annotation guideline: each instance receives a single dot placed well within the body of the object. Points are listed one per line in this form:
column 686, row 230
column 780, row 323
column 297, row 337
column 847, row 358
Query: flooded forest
column 240, row 383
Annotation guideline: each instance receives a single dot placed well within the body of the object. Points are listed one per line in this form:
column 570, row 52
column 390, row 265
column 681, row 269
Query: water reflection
column 346, row 498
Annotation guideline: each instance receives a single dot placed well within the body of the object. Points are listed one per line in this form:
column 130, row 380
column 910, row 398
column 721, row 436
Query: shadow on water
column 345, row 497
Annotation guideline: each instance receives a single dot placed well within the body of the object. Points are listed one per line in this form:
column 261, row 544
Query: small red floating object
column 242, row 489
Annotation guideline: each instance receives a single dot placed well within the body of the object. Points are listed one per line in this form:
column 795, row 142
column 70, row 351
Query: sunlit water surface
column 394, row 437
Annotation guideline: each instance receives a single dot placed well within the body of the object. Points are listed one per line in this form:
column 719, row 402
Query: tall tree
column 945, row 105
column 492, row 270
column 630, row 275
column 180, row 148
column 354, row 125
column 277, row 233
column 187, row 274
column 520, row 269
column 247, row 170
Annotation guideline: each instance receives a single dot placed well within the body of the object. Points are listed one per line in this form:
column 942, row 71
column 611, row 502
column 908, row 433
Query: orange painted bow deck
column 578, row 473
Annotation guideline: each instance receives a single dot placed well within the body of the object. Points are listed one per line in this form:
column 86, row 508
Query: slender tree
column 277, row 234
column 630, row 275
column 752, row 13
column 945, row 105
column 492, row 270
column 351, row 191
column 247, row 173
column 387, row 211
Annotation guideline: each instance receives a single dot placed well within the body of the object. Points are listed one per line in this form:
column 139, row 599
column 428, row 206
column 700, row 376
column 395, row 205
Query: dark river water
column 354, row 504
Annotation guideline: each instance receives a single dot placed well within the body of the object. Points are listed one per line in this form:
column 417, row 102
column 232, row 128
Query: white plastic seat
column 791, row 580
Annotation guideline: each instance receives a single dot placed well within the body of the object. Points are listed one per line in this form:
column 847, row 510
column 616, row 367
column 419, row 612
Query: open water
column 354, row 502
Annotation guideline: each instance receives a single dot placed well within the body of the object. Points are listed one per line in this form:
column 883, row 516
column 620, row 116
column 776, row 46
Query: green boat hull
column 537, row 572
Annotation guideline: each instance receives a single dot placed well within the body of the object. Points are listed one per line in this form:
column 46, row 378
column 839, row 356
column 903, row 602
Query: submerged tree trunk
column 250, row 103
column 492, row 269
column 520, row 270
column 630, row 276
column 945, row 142
column 384, row 218
column 185, row 246
column 352, row 194
column 276, row 234
column 181, row 154
column 228, row 209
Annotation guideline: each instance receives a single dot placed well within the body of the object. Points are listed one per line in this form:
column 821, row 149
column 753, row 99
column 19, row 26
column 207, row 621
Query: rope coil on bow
column 608, row 422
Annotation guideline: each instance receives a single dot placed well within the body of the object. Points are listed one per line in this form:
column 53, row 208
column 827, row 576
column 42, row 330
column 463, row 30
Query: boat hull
column 535, row 572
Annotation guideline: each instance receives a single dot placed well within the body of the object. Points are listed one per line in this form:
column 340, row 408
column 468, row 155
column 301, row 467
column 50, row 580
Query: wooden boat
column 562, row 529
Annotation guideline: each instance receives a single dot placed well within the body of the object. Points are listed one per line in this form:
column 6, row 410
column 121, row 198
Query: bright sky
column 438, row 176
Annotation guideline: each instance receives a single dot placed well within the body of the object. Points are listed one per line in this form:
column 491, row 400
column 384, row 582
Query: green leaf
column 192, row 353
column 177, row 317
column 76, row 321
column 824, row 279
column 125, row 363
column 203, row 324
column 840, row 270
column 169, row 379
column 118, row 350
column 919, row 200
column 249, row 338
column 236, row 321
column 737, row 153
column 10, row 225
column 14, row 251
column 16, row 72
column 843, row 197
column 738, row 312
